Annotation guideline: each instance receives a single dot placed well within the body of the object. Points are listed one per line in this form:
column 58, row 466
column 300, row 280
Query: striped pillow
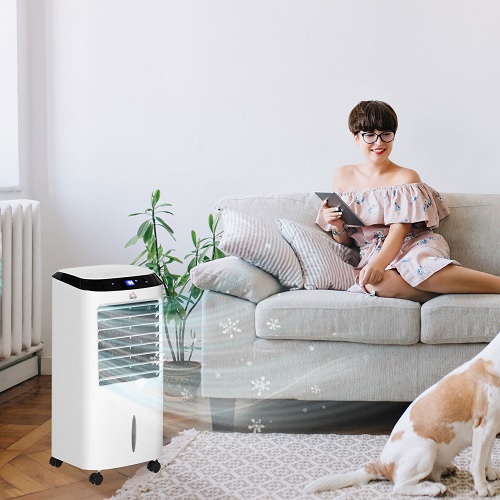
column 262, row 245
column 324, row 262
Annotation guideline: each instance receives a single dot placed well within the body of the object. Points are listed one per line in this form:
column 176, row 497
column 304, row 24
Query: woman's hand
column 370, row 275
column 332, row 216
column 373, row 271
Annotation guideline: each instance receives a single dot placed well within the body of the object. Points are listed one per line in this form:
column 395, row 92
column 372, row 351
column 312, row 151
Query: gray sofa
column 261, row 340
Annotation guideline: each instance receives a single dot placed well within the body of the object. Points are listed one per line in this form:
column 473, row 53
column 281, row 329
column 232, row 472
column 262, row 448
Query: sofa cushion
column 338, row 316
column 460, row 318
column 476, row 247
column 235, row 276
column 324, row 261
column 261, row 244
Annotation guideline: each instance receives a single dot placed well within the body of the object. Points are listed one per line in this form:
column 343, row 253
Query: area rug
column 232, row 466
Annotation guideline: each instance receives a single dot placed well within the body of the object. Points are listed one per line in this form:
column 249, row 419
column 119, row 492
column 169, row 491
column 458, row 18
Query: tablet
column 348, row 216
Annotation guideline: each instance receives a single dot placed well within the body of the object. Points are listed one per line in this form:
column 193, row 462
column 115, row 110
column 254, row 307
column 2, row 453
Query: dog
column 460, row 410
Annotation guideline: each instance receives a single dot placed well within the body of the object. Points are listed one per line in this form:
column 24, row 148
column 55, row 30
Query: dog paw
column 426, row 488
column 492, row 474
column 488, row 490
column 435, row 489
column 442, row 489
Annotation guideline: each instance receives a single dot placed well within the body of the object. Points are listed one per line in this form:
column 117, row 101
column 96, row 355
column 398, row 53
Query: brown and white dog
column 462, row 409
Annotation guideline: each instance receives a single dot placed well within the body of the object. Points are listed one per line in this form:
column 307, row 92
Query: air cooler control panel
column 108, row 278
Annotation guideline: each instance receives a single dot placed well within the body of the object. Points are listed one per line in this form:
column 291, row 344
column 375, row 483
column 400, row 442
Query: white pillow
column 235, row 276
column 324, row 261
column 262, row 245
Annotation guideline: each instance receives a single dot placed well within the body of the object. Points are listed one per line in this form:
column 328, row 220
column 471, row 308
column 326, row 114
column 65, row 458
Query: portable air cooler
column 107, row 382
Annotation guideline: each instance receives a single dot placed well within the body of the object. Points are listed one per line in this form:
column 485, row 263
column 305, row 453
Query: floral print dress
column 423, row 252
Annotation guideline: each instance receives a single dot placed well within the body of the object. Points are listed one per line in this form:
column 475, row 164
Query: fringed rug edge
column 170, row 452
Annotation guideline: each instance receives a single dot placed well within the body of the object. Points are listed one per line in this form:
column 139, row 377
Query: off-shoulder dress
column 423, row 252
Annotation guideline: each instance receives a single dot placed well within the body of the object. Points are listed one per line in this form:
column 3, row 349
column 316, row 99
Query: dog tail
column 354, row 478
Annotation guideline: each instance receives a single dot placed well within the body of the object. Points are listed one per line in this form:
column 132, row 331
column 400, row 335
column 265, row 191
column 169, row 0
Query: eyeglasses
column 372, row 137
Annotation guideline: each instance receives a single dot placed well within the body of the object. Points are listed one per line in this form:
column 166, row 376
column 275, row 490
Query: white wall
column 205, row 98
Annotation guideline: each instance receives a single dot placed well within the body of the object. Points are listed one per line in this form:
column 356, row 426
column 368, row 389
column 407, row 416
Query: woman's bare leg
column 393, row 286
column 458, row 279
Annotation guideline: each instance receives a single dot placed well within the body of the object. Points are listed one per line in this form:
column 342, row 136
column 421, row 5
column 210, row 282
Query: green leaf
column 138, row 257
column 218, row 253
column 142, row 228
column 132, row 241
column 155, row 196
column 194, row 238
column 172, row 258
column 191, row 264
column 165, row 226
column 150, row 247
column 216, row 223
column 211, row 222
column 184, row 279
column 148, row 234
column 164, row 212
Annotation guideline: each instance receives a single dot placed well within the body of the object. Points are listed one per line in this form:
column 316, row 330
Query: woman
column 400, row 254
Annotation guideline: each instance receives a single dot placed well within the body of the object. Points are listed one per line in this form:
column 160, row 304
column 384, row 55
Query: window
column 9, row 144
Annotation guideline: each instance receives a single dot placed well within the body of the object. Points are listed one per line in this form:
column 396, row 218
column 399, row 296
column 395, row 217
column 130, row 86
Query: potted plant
column 181, row 375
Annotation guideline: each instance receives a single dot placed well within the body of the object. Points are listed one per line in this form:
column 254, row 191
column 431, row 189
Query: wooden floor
column 25, row 441
column 25, row 444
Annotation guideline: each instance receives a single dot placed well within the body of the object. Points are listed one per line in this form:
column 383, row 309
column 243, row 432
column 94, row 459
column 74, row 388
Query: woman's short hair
column 368, row 116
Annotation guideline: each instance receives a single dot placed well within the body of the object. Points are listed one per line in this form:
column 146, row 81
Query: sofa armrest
column 237, row 277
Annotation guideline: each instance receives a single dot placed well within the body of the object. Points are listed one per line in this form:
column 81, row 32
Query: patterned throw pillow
column 324, row 262
column 262, row 245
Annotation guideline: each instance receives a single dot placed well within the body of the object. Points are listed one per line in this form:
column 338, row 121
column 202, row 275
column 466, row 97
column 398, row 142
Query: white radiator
column 21, row 290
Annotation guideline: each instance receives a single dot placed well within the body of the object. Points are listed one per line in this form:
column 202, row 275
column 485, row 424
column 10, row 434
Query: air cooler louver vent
column 128, row 341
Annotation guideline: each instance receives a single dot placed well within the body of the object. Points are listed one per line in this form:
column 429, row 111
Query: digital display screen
column 130, row 282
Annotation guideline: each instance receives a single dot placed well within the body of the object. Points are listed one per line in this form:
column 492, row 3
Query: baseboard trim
column 19, row 372
column 46, row 365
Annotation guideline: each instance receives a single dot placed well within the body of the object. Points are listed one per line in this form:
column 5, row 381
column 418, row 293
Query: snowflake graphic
column 315, row 389
column 186, row 394
column 256, row 426
column 230, row 327
column 273, row 324
column 260, row 385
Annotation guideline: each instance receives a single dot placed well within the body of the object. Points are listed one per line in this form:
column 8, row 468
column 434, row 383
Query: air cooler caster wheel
column 154, row 466
column 55, row 462
column 96, row 478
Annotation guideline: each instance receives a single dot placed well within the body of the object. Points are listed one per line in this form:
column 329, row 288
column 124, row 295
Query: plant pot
column 181, row 380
